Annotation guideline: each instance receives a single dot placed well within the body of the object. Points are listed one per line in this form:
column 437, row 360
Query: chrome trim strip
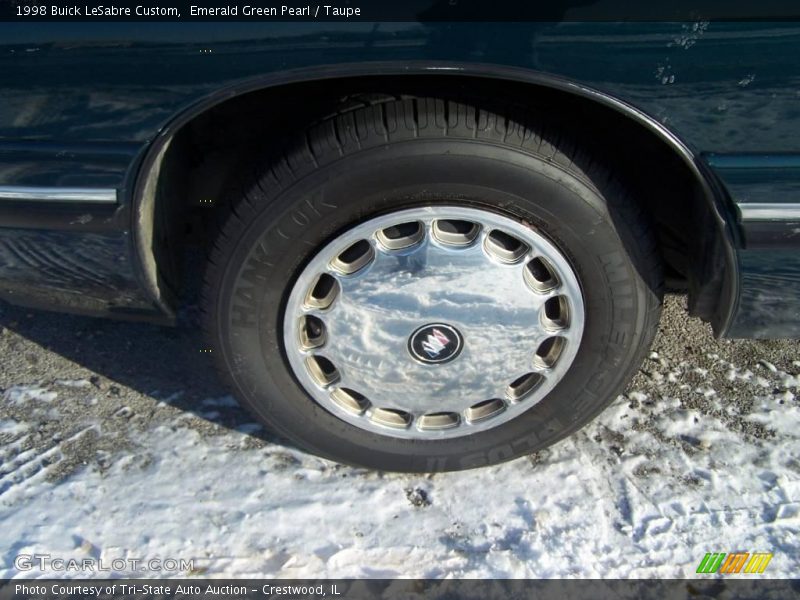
column 57, row 194
column 769, row 212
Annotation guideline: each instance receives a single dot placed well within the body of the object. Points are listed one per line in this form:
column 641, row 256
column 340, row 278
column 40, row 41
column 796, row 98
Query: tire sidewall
column 289, row 226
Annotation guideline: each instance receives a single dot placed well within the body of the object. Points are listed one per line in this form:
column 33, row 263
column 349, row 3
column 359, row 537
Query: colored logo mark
column 731, row 564
column 435, row 343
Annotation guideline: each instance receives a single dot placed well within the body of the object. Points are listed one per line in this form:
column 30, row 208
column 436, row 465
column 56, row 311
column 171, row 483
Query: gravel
column 130, row 376
column 700, row 448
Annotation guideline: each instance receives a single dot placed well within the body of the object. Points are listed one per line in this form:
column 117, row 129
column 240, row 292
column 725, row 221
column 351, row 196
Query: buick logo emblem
column 435, row 343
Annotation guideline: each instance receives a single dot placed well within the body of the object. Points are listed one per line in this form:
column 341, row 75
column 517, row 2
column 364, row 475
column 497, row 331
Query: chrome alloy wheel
column 433, row 322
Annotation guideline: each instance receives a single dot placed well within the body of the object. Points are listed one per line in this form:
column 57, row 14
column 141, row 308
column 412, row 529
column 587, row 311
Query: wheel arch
column 712, row 279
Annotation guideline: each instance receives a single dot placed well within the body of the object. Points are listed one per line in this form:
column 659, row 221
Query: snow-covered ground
column 700, row 455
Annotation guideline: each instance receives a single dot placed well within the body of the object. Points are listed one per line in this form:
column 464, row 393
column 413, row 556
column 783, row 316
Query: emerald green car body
column 87, row 109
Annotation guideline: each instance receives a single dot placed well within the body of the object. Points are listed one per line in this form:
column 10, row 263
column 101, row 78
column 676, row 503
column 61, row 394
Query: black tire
column 408, row 152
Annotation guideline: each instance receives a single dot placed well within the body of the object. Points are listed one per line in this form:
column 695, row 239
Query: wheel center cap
column 435, row 343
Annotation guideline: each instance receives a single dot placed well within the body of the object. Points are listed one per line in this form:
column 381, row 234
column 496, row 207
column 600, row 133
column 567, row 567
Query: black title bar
column 33, row 11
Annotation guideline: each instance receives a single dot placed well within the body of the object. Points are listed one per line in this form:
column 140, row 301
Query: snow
column 649, row 507
column 11, row 428
column 24, row 393
column 700, row 455
column 74, row 383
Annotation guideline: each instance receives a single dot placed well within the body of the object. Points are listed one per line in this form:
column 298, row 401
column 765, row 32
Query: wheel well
column 195, row 173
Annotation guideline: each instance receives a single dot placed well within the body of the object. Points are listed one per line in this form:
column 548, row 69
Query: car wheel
column 427, row 285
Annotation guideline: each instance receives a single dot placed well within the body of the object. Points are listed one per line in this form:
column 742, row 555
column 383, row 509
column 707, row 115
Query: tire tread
column 365, row 125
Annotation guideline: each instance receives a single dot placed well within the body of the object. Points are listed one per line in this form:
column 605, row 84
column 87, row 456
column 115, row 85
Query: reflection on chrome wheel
column 433, row 322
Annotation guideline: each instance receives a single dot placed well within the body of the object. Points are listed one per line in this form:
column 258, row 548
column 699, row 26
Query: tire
column 370, row 166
